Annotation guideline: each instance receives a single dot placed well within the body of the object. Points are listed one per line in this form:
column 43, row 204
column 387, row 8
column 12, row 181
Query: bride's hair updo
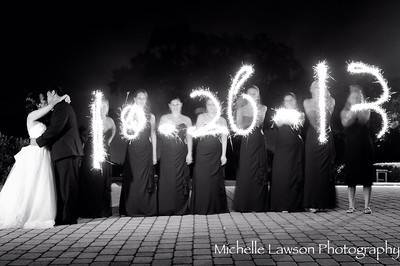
column 32, row 102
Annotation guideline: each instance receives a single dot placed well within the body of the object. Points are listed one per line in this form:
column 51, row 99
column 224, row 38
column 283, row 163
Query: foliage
column 9, row 146
column 178, row 60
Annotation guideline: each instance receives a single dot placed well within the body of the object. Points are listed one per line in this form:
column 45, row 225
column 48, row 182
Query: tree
column 177, row 60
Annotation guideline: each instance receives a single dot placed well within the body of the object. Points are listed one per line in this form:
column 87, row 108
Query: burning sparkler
column 133, row 121
column 290, row 117
column 321, row 74
column 99, row 152
column 211, row 128
column 168, row 130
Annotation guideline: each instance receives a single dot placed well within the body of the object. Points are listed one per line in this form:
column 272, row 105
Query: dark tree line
column 177, row 60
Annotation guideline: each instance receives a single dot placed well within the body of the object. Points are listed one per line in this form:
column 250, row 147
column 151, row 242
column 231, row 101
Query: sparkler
column 361, row 68
column 242, row 75
column 99, row 152
column 133, row 121
column 211, row 128
column 321, row 74
column 168, row 130
column 290, row 117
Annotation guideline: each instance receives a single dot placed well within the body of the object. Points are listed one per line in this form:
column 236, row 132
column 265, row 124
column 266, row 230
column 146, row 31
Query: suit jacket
column 62, row 134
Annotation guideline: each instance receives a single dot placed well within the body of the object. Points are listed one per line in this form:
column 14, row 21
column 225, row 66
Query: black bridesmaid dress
column 138, row 195
column 208, row 195
column 319, row 176
column 287, row 170
column 251, row 191
column 358, row 155
column 95, row 185
column 173, row 189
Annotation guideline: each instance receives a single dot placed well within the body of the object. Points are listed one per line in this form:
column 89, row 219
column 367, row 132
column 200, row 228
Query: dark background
column 174, row 48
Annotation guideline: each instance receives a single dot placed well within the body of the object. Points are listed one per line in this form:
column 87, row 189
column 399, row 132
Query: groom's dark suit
column 62, row 137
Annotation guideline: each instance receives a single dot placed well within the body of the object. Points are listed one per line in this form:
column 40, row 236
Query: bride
column 28, row 198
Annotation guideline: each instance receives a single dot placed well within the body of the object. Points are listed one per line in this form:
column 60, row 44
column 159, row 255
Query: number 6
column 241, row 76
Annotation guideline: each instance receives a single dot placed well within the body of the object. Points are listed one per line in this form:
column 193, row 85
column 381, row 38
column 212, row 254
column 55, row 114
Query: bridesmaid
column 358, row 149
column 138, row 195
column 319, row 183
column 209, row 195
column 287, row 168
column 176, row 155
column 95, row 185
column 251, row 192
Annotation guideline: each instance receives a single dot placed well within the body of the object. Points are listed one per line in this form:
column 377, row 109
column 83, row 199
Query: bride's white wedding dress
column 28, row 198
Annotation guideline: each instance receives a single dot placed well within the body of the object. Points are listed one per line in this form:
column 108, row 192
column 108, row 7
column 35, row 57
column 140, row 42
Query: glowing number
column 211, row 128
column 241, row 76
column 99, row 152
column 321, row 74
column 133, row 121
column 360, row 68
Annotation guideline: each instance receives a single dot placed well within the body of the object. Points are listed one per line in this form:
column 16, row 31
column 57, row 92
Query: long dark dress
column 287, row 171
column 319, row 179
column 358, row 155
column 95, row 185
column 251, row 192
column 173, row 190
column 138, row 195
column 208, row 195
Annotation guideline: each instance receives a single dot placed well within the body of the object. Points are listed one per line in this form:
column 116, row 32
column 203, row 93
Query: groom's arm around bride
column 62, row 134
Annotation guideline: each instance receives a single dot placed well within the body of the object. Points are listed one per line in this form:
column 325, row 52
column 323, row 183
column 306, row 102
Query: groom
column 62, row 137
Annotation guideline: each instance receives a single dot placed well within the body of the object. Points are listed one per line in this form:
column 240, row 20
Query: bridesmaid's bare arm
column 310, row 113
column 224, row 141
column 347, row 117
column 189, row 142
column 113, row 130
column 239, row 117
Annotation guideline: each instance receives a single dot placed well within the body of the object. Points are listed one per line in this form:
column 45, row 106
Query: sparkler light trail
column 389, row 164
column 361, row 68
column 97, row 129
column 321, row 74
column 133, row 121
column 211, row 128
column 290, row 117
column 168, row 130
column 242, row 75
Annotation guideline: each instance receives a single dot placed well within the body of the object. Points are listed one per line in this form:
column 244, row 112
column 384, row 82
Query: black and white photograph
column 200, row 133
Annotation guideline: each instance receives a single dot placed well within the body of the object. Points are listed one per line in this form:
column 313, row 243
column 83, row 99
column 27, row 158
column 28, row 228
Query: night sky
column 78, row 47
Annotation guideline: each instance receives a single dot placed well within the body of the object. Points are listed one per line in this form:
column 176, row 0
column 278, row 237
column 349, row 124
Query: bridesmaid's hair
column 290, row 94
column 254, row 87
column 141, row 91
column 176, row 97
column 147, row 105
column 242, row 102
column 32, row 101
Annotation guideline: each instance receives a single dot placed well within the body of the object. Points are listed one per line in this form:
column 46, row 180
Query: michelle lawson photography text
column 359, row 252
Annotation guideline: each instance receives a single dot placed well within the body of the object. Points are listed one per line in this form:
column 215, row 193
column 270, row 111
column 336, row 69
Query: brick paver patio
column 190, row 239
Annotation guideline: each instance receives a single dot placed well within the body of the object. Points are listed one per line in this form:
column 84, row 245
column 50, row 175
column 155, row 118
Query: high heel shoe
column 367, row 210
